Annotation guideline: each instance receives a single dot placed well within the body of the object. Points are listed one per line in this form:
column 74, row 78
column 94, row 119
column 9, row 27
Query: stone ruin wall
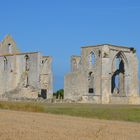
column 97, row 76
column 24, row 75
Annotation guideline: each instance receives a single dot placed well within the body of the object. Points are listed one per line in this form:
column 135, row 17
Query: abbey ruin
column 24, row 75
column 104, row 74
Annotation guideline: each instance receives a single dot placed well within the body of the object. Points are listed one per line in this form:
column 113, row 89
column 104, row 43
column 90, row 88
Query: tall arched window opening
column 26, row 71
column 118, row 76
column 91, row 59
column 91, row 82
column 5, row 63
column 26, row 62
column 10, row 48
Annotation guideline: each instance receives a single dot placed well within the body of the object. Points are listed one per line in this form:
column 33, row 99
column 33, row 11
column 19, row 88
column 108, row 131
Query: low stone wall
column 20, row 93
column 134, row 100
column 118, row 100
column 124, row 100
column 96, row 99
column 85, row 99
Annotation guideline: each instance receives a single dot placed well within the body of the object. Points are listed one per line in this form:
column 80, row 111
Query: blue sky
column 60, row 27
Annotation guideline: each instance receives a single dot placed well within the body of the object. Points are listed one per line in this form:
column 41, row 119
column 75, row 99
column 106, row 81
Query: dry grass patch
column 108, row 112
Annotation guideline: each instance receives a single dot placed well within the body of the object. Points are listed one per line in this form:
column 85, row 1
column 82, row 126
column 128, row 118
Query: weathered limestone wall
column 13, row 73
column 131, row 74
column 8, row 45
column 6, row 71
column 95, row 68
column 74, row 84
column 46, row 76
column 98, row 75
column 34, row 70
column 22, row 75
column 75, row 63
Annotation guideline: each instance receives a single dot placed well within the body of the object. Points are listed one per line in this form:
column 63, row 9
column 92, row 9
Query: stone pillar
column 122, row 84
column 105, row 78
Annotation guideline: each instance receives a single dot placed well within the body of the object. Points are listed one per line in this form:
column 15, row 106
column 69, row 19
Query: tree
column 60, row 94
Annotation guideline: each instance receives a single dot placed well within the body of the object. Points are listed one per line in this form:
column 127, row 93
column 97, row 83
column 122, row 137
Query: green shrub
column 60, row 94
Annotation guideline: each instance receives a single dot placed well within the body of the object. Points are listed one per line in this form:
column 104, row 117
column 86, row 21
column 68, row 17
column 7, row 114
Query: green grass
column 108, row 112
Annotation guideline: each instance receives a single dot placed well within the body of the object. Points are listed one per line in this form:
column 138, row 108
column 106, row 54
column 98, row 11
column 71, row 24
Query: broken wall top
column 8, row 46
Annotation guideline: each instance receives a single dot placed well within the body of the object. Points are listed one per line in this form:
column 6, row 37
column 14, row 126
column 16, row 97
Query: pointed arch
column 91, row 82
column 5, row 63
column 122, row 56
column 91, row 59
column 9, row 48
column 27, row 62
column 26, row 57
column 119, row 66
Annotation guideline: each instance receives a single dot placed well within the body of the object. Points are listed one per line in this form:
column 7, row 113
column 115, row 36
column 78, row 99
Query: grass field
column 108, row 112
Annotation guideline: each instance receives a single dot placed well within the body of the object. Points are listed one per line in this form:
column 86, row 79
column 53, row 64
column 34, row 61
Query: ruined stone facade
column 104, row 74
column 24, row 75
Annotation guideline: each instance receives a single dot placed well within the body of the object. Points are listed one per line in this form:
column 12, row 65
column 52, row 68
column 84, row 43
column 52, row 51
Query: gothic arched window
column 118, row 76
column 10, row 48
column 91, row 82
column 91, row 59
column 5, row 63
column 26, row 62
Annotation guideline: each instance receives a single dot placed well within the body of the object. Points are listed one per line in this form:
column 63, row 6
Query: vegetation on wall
column 133, row 50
